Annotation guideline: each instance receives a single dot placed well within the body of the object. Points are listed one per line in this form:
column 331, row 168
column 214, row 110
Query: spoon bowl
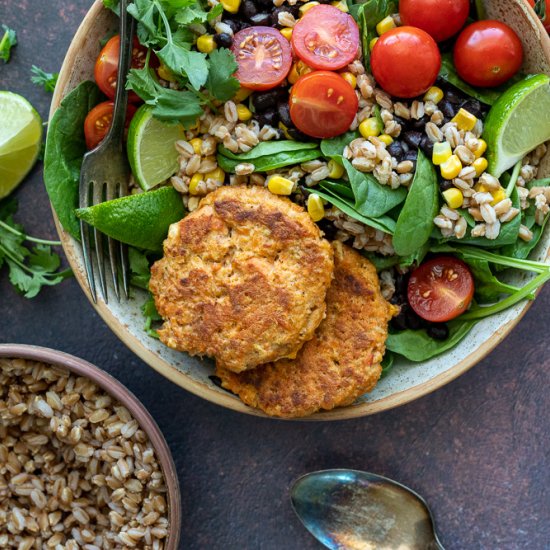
column 350, row 509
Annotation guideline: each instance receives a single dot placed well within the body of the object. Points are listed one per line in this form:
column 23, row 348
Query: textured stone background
column 477, row 449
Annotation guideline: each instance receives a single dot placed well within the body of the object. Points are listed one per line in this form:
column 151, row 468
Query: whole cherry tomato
column 98, row 121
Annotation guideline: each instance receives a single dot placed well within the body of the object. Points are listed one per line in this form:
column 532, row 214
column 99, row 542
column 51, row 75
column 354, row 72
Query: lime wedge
column 151, row 150
column 20, row 139
column 518, row 122
column 140, row 220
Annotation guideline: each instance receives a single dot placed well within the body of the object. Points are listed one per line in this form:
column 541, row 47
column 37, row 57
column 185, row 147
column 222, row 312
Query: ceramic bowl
column 123, row 395
column 407, row 381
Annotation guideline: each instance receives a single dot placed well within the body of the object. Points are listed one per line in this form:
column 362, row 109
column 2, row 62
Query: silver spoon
column 353, row 510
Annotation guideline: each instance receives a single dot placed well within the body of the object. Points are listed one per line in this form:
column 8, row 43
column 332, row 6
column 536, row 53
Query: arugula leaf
column 42, row 78
column 220, row 82
column 8, row 41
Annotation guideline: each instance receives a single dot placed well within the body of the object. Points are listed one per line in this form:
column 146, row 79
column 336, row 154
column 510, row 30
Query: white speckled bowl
column 407, row 381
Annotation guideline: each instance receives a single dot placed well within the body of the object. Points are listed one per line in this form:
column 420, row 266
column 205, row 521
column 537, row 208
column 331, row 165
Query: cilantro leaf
column 140, row 271
column 185, row 62
column 191, row 14
column 8, row 41
column 215, row 11
column 145, row 12
column 220, row 82
column 42, row 78
column 113, row 5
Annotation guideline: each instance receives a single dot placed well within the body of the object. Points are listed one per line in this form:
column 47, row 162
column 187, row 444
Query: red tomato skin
column 341, row 30
column 314, row 107
column 487, row 53
column 440, row 289
column 98, row 121
column 261, row 77
column 405, row 61
column 441, row 19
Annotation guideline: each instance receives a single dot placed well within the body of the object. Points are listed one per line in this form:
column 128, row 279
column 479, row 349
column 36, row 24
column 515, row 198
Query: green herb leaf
column 8, row 41
column 112, row 5
column 42, row 78
column 191, row 14
column 140, row 269
column 221, row 83
column 146, row 12
column 182, row 61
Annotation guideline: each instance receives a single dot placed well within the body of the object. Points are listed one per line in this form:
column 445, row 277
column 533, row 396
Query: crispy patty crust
column 243, row 279
column 340, row 363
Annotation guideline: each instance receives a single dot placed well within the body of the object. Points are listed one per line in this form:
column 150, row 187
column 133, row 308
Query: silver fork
column 105, row 174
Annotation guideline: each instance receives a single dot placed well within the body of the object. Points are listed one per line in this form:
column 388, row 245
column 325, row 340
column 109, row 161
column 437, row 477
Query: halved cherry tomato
column 264, row 57
column 106, row 66
column 98, row 121
column 441, row 289
column 441, row 19
column 322, row 104
column 405, row 61
column 487, row 53
column 326, row 38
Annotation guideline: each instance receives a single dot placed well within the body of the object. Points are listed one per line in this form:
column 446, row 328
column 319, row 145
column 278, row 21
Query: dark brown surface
column 477, row 449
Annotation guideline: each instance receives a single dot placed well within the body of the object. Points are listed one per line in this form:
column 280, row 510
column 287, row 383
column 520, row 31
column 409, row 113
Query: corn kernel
column 453, row 197
column 480, row 188
column 304, row 8
column 243, row 112
column 194, row 183
column 232, row 6
column 298, row 69
column 451, row 167
column 384, row 138
column 206, row 43
column 481, row 148
column 336, row 170
column 280, row 186
column 441, row 153
column 165, row 73
column 480, row 165
column 387, row 24
column 372, row 43
column 242, row 94
column 349, row 78
column 315, row 207
column 342, row 6
column 434, row 94
column 196, row 143
column 217, row 175
column 498, row 195
column 287, row 32
column 369, row 127
column 464, row 120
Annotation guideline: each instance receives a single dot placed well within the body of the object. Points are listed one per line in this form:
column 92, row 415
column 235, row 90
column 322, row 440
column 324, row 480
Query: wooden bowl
column 407, row 381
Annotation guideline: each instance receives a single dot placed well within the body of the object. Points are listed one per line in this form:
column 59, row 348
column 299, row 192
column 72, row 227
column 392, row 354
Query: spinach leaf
column 266, row 163
column 415, row 222
column 416, row 345
column 340, row 188
column 382, row 262
column 372, row 199
column 268, row 148
column 333, row 148
column 387, row 364
column 65, row 147
column 487, row 287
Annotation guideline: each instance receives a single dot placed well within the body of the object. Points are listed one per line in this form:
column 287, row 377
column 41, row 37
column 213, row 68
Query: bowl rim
column 120, row 392
column 226, row 400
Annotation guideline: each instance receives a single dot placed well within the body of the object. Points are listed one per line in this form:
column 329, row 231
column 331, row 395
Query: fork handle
column 124, row 64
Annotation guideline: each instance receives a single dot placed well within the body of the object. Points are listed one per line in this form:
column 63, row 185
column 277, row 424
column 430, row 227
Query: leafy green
column 415, row 222
column 334, row 147
column 140, row 269
column 8, row 41
column 151, row 315
column 271, row 162
column 112, row 5
column 65, row 148
column 42, row 78
column 220, row 82
column 387, row 364
column 268, row 148
column 339, row 188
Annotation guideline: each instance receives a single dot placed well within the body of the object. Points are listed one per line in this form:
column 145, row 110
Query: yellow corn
column 196, row 144
column 369, row 127
column 451, row 167
column 453, row 197
column 280, row 186
column 232, row 6
column 464, row 120
column 480, row 165
column 481, row 148
column 241, row 95
column 384, row 138
column 194, row 183
column 336, row 170
column 441, row 153
column 480, row 188
column 287, row 32
column 206, row 43
column 165, row 73
column 434, row 94
column 298, row 69
column 372, row 43
column 387, row 24
column 498, row 195
column 349, row 78
column 342, row 5
column 243, row 112
column 304, row 8
column 217, row 175
column 315, row 207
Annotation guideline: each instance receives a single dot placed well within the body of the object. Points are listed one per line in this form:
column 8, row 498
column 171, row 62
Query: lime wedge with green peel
column 140, row 220
column 151, row 151
column 20, row 139
column 518, row 122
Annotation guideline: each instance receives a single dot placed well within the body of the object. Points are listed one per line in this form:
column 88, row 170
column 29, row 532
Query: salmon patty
column 243, row 279
column 340, row 363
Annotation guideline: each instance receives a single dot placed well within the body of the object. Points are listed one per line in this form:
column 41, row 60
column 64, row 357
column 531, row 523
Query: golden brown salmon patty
column 340, row 363
column 243, row 278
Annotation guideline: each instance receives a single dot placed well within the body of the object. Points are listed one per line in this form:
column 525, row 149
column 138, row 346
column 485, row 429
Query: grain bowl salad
column 295, row 157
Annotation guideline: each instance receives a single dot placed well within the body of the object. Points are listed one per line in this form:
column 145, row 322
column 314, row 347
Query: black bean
column 438, row 331
column 395, row 149
column 263, row 19
column 267, row 117
column 328, row 228
column 427, row 146
column 293, row 10
column 412, row 138
column 413, row 321
column 267, row 4
column 401, row 282
column 412, row 156
column 473, row 106
column 420, row 123
column 454, row 96
column 223, row 40
column 283, row 111
column 401, row 121
column 266, row 100
column 447, row 108
column 295, row 134
column 235, row 25
column 248, row 9
column 445, row 184
column 399, row 322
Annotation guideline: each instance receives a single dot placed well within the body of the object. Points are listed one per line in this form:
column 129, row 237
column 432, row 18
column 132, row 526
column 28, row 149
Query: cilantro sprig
column 7, row 42
column 42, row 78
